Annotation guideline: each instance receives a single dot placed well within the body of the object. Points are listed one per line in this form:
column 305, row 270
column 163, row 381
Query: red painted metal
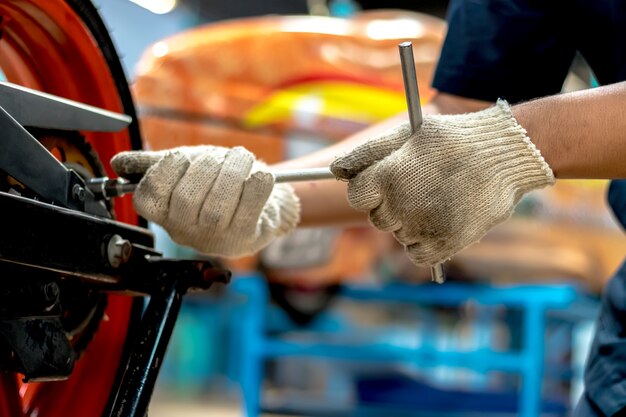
column 46, row 46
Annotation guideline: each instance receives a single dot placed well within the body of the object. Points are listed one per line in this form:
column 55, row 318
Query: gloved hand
column 217, row 200
column 442, row 188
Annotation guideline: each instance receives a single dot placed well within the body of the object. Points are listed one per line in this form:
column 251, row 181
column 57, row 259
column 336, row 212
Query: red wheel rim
column 46, row 46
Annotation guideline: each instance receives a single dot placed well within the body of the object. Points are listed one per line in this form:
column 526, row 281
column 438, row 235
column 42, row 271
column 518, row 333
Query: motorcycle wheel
column 62, row 47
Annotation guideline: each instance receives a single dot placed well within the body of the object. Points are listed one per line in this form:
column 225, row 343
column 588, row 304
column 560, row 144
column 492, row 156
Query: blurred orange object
column 565, row 232
column 256, row 82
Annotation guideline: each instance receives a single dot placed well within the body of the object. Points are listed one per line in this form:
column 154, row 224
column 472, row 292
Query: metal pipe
column 437, row 273
column 118, row 187
column 410, row 85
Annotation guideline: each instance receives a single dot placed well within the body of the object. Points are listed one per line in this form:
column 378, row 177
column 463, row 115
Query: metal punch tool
column 437, row 273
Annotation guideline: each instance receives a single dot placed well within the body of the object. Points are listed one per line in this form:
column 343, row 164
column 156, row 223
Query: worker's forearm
column 325, row 202
column 580, row 134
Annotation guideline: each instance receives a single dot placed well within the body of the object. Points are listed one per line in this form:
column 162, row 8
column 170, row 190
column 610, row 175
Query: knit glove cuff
column 499, row 140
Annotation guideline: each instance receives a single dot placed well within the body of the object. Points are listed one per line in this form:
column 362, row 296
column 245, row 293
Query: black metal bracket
column 44, row 237
column 67, row 238
column 52, row 238
column 26, row 160
column 34, row 108
column 174, row 279
column 50, row 241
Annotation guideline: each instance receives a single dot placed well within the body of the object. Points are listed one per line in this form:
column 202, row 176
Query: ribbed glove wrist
column 442, row 188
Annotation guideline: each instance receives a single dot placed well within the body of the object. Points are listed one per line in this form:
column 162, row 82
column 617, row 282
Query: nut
column 78, row 192
column 119, row 251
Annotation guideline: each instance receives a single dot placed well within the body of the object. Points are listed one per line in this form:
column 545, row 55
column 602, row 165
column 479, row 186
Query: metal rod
column 120, row 188
column 437, row 273
column 410, row 85
column 309, row 174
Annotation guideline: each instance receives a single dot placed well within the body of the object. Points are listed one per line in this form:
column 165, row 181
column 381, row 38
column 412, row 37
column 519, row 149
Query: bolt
column 118, row 251
column 78, row 192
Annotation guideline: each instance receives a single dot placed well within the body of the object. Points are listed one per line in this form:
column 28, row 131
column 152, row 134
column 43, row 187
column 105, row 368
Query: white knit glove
column 442, row 188
column 217, row 200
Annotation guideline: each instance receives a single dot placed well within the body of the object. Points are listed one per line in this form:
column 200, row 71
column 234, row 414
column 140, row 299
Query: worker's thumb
column 133, row 163
column 376, row 149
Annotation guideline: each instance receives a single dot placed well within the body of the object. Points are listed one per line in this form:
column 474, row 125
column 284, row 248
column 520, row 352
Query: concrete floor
column 194, row 408
column 160, row 407
column 167, row 405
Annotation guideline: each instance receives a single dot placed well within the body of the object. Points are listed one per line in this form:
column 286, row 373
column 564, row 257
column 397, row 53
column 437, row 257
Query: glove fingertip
column 241, row 150
column 238, row 162
column 134, row 162
column 415, row 253
column 120, row 162
column 424, row 255
column 262, row 178
column 343, row 169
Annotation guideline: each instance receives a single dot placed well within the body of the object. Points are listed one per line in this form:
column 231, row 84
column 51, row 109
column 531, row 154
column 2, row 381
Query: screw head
column 78, row 192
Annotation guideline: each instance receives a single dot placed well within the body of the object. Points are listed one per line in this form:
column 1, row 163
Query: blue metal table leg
column 534, row 333
column 252, row 338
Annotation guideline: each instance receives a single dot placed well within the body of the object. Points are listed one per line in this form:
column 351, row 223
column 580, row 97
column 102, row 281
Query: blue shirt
column 522, row 49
